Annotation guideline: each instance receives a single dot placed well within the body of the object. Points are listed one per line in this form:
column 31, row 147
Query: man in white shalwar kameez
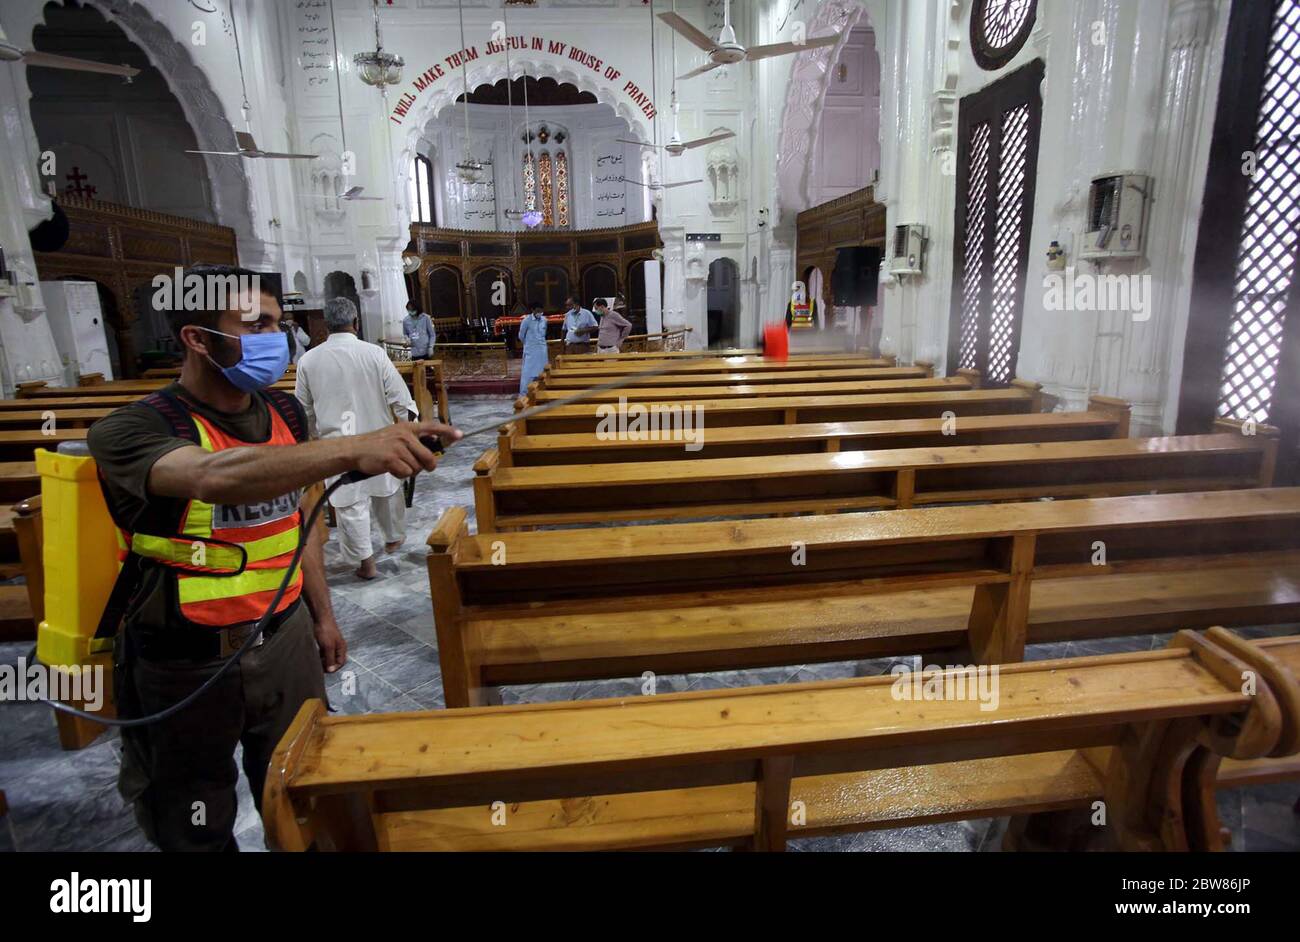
column 350, row 387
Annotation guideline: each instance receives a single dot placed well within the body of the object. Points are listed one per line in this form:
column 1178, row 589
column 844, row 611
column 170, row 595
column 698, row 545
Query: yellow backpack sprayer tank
column 81, row 565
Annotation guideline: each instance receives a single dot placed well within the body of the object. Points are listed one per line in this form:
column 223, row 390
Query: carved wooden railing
column 122, row 248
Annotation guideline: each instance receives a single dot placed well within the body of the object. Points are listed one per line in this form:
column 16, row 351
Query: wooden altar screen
column 458, row 267
column 122, row 248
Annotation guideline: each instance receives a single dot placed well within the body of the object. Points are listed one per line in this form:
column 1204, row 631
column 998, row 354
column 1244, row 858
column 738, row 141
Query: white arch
column 489, row 71
column 232, row 195
column 805, row 97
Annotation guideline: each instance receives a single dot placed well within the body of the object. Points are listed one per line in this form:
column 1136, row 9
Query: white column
column 1193, row 65
column 27, row 350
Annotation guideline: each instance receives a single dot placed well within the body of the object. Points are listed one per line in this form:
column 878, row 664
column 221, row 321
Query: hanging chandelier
column 379, row 68
column 470, row 170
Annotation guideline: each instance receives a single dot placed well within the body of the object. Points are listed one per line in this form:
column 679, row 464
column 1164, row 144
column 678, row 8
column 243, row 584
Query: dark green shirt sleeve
column 125, row 444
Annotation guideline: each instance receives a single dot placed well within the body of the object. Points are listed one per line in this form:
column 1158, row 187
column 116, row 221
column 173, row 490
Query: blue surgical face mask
column 262, row 362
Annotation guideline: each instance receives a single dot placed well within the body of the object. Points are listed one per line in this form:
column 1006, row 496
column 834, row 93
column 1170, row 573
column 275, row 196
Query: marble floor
column 68, row 800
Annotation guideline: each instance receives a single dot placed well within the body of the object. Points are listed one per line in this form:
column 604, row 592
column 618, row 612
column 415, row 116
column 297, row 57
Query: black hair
column 536, row 306
column 214, row 276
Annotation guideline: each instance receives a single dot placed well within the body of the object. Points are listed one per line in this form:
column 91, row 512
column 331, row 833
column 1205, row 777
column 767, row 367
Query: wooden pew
column 126, row 391
column 37, row 404
column 21, row 444
column 23, row 606
column 584, row 366
column 758, row 766
column 1105, row 419
column 536, row 396
column 509, row 498
column 18, row 480
column 116, row 388
column 555, row 605
column 1023, row 397
column 60, row 417
column 569, row 381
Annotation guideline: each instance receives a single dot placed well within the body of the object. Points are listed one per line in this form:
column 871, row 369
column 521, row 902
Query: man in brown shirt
column 205, row 478
column 614, row 328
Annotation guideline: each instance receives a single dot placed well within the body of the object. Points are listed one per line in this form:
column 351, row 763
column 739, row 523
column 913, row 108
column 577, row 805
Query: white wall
column 1142, row 98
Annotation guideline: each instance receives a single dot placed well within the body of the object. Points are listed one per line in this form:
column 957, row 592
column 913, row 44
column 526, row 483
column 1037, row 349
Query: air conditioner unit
column 1118, row 215
column 908, row 256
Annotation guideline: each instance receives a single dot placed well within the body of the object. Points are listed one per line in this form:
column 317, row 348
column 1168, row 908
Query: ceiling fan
column 351, row 193
column 11, row 53
column 248, row 148
column 662, row 186
column 727, row 50
column 676, row 146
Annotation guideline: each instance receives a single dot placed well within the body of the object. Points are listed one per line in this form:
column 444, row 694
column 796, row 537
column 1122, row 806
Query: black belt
column 182, row 644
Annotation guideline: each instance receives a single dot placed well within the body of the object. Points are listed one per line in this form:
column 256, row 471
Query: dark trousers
column 180, row 774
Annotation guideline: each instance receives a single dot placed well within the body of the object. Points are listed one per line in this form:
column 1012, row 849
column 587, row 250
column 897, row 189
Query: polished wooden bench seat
column 1022, row 398
column 60, row 417
column 83, row 404
column 20, row 444
column 694, row 357
column 712, row 363
column 799, row 373
column 509, row 498
column 1106, row 418
column 555, row 605
column 37, row 403
column 18, row 480
column 757, row 766
column 760, row 389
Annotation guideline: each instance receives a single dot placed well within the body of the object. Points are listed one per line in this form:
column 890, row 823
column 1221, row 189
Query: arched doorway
column 723, row 303
column 170, row 99
column 339, row 284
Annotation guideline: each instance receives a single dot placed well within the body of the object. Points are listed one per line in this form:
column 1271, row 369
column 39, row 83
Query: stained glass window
column 530, row 183
column 561, row 188
column 545, row 189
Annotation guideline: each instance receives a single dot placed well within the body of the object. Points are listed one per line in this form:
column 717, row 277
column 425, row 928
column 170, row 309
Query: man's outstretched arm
column 254, row 473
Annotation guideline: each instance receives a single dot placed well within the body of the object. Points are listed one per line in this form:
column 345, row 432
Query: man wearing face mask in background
column 204, row 478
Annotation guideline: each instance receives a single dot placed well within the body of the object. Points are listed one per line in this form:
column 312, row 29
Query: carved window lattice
column 999, row 30
column 1266, row 262
column 1009, row 242
column 977, row 205
column 997, row 162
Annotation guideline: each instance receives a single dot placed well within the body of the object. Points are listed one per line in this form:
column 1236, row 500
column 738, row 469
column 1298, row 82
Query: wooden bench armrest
column 1267, row 435
column 973, row 376
column 487, row 461
column 1034, row 389
column 1119, row 408
column 284, row 830
column 451, row 526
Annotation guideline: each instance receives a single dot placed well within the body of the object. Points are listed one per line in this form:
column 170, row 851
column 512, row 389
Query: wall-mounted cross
column 77, row 186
